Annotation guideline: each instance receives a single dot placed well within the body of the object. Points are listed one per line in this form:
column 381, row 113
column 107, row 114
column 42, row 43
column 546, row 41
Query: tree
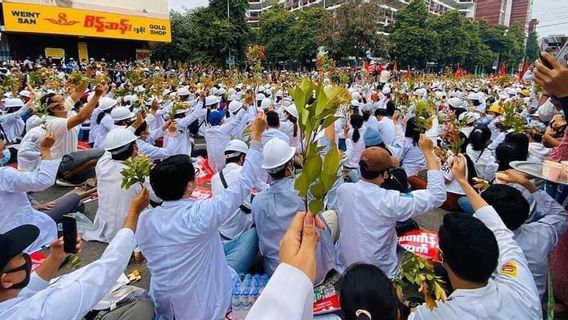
column 479, row 54
column 453, row 39
column 533, row 48
column 413, row 42
column 307, row 33
column 352, row 31
column 516, row 51
column 274, row 34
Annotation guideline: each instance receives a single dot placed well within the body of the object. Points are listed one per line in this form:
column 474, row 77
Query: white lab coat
column 507, row 296
column 114, row 201
column 101, row 130
column 272, row 133
column 75, row 294
column 368, row 220
column 217, row 138
column 15, row 207
column 181, row 242
column 387, row 130
column 29, row 152
column 412, row 158
column 157, row 153
column 288, row 295
column 13, row 124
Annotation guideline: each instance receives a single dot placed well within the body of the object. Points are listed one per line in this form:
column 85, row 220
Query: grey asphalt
column 93, row 250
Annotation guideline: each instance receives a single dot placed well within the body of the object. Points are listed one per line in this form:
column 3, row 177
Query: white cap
column 422, row 92
column 237, row 146
column 276, row 153
column 234, row 106
column 291, row 109
column 455, row 102
column 266, row 102
column 118, row 137
column 469, row 117
column 13, row 103
column 211, row 100
column 25, row 93
column 183, row 92
column 106, row 103
column 121, row 113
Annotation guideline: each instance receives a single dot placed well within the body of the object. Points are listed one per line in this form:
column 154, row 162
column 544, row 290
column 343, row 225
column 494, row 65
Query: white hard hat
column 211, row 100
column 119, row 137
column 261, row 89
column 236, row 145
column 150, row 101
column 260, row 96
column 221, row 91
column 438, row 94
column 367, row 107
column 469, row 117
column 386, row 90
column 355, row 103
column 25, row 93
column 106, row 103
column 266, row 102
column 473, row 96
column 291, row 109
column 234, row 106
column 276, row 153
column 183, row 92
column 421, row 92
column 13, row 103
column 455, row 102
column 355, row 95
column 121, row 113
column 511, row 91
column 139, row 89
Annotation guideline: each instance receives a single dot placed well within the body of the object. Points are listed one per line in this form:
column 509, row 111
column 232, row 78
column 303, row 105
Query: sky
column 552, row 14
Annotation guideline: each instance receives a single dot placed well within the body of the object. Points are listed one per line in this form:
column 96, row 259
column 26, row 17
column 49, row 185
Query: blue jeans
column 557, row 191
column 241, row 251
column 465, row 205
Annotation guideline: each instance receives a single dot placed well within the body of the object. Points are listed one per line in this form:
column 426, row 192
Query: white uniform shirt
column 412, row 158
column 65, row 140
column 156, row 121
column 354, row 149
column 288, row 128
column 102, row 130
column 537, row 239
column 113, row 200
column 387, row 130
column 29, row 153
column 184, row 141
column 13, row 124
column 272, row 133
column 510, row 294
column 484, row 161
column 181, row 242
column 15, row 207
column 239, row 221
column 538, row 151
column 157, row 153
column 368, row 220
column 217, row 138
column 73, row 295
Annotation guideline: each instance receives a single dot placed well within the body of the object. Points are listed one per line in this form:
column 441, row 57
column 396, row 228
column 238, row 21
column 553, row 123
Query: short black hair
column 469, row 248
column 367, row 287
column 509, row 203
column 234, row 159
column 272, row 119
column 520, row 140
column 141, row 129
column 390, row 107
column 507, row 152
column 381, row 112
column 127, row 153
column 170, row 177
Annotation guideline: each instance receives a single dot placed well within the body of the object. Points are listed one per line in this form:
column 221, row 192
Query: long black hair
column 356, row 122
column 294, row 121
column 479, row 137
column 102, row 114
column 412, row 130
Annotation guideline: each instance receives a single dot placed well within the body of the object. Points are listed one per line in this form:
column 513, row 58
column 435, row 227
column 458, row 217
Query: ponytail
column 356, row 122
column 294, row 121
column 101, row 115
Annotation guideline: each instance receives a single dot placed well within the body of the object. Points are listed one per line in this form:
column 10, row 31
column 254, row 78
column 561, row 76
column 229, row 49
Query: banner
column 83, row 51
column 31, row 18
column 421, row 242
column 55, row 53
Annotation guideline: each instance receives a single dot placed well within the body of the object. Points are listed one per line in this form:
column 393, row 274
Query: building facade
column 504, row 12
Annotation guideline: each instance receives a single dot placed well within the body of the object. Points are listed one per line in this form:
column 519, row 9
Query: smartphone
column 556, row 46
column 69, row 234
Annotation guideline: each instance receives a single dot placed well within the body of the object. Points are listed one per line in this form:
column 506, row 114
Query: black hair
column 281, row 174
column 141, row 129
column 170, row 177
column 272, row 119
column 381, row 112
column 479, row 137
column 507, row 152
column 102, row 114
column 390, row 108
column 412, row 131
column 366, row 115
column 46, row 100
column 234, row 159
column 294, row 121
column 509, row 203
column 367, row 287
column 469, row 248
column 521, row 141
column 126, row 153
column 356, row 122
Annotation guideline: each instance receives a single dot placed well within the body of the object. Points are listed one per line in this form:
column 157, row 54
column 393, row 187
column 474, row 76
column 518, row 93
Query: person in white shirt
column 218, row 135
column 152, row 151
column 535, row 132
column 29, row 153
column 385, row 126
column 103, row 123
column 113, row 199
column 486, row 267
column 30, row 295
column 11, row 124
column 290, row 126
column 538, row 238
column 355, row 145
column 368, row 220
column 15, row 207
column 412, row 158
column 273, row 130
column 240, row 240
column 180, row 239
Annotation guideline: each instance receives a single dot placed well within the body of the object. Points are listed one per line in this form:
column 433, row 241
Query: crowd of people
column 408, row 144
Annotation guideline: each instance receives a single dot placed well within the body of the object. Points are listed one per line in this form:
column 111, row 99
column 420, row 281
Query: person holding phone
column 30, row 295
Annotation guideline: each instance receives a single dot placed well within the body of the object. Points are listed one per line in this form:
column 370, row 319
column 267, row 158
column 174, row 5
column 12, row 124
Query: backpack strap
column 243, row 208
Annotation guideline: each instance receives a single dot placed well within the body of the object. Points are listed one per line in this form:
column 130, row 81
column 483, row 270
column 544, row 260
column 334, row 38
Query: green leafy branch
column 136, row 170
column 511, row 119
column 318, row 175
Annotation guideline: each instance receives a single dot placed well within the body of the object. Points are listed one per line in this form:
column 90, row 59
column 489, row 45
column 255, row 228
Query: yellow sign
column 55, row 53
column 32, row 18
column 83, row 51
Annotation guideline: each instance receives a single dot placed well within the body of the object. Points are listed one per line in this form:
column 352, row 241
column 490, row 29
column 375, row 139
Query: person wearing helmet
column 217, row 135
column 155, row 117
column 103, row 123
column 275, row 207
column 181, row 237
column 114, row 201
column 12, row 124
column 240, row 240
column 145, row 139
column 290, row 125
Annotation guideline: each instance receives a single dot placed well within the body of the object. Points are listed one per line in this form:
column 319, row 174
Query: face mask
column 490, row 117
column 6, row 155
column 27, row 267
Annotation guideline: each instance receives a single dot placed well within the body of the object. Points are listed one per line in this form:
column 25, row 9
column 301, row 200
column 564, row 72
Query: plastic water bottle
column 254, row 295
column 236, row 305
column 245, row 303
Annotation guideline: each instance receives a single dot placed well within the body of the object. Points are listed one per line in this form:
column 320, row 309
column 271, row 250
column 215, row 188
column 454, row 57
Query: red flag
column 407, row 72
column 395, row 66
column 523, row 70
column 503, row 71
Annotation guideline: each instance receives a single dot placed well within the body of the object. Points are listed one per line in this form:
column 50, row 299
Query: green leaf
column 327, row 180
column 302, row 185
column 318, row 190
column 329, row 120
column 312, row 167
column 332, row 161
column 315, row 206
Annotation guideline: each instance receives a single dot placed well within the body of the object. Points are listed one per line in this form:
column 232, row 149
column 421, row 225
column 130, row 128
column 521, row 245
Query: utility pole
column 228, row 11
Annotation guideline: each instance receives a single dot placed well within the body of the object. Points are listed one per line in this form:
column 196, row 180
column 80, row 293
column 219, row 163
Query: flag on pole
column 503, row 71
column 407, row 72
column 523, row 70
